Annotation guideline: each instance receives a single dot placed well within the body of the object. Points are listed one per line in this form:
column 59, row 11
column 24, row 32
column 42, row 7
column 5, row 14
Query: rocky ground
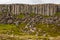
column 26, row 37
column 31, row 24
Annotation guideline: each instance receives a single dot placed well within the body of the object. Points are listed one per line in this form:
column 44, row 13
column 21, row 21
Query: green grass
column 13, row 29
column 21, row 15
column 6, row 26
column 49, row 29
column 0, row 13
column 32, row 14
column 22, row 25
column 46, row 16
column 57, row 14
column 10, row 29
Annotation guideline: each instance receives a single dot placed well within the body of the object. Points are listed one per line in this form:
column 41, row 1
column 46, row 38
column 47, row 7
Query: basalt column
column 0, row 9
column 58, row 8
column 9, row 9
column 39, row 9
column 29, row 9
column 47, row 12
column 15, row 9
column 4, row 8
column 55, row 9
column 33, row 9
column 52, row 9
column 36, row 9
column 22, row 8
column 43, row 10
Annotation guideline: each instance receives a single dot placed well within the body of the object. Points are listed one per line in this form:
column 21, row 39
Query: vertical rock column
column 47, row 10
column 29, row 9
column 35, row 9
column 9, row 9
column 16, row 9
column 58, row 8
column 40, row 10
column 55, row 9
column 0, row 8
column 26, row 10
column 43, row 9
column 51, row 10
column 13, row 9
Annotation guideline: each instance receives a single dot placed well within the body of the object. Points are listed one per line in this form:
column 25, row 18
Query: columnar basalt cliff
column 39, row 22
column 43, row 9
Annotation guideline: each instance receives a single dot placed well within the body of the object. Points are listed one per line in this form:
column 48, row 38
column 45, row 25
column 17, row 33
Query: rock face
column 43, row 9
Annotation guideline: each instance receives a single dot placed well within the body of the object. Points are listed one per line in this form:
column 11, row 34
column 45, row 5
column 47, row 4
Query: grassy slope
column 9, row 29
column 12, row 29
column 49, row 29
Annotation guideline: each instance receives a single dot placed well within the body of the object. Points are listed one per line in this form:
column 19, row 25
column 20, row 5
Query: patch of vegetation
column 9, row 29
column 57, row 14
column 13, row 29
column 50, row 29
column 32, row 14
column 22, row 25
column 21, row 15
column 46, row 16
